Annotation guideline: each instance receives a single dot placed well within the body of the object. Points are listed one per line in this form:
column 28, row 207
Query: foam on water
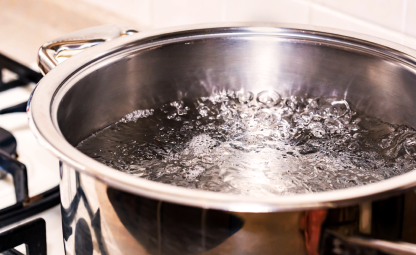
column 238, row 142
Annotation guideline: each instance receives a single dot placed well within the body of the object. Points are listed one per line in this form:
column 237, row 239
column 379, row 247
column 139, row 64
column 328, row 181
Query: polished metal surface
column 54, row 52
column 99, row 219
column 120, row 214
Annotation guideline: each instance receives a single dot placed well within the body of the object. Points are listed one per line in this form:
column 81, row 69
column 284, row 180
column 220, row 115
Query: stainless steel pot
column 105, row 211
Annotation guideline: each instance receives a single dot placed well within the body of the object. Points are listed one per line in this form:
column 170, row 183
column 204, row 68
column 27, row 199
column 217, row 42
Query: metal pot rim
column 42, row 107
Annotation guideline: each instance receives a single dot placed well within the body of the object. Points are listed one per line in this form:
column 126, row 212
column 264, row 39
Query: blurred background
column 27, row 24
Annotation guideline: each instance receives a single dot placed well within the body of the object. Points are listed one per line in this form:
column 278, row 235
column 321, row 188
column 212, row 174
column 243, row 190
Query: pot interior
column 152, row 71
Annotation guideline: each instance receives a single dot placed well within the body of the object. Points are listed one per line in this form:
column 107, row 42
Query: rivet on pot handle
column 56, row 51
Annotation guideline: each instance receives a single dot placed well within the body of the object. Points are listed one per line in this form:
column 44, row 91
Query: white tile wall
column 390, row 19
column 267, row 10
column 410, row 18
column 322, row 16
column 182, row 12
column 136, row 10
column 386, row 13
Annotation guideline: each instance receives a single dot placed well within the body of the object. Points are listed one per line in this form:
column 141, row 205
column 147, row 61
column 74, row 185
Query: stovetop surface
column 42, row 167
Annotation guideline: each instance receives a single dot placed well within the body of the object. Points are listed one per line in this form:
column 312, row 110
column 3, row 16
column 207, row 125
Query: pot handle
column 56, row 51
column 335, row 243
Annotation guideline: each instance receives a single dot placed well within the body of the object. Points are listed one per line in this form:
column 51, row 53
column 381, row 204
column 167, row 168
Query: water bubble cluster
column 137, row 114
column 264, row 144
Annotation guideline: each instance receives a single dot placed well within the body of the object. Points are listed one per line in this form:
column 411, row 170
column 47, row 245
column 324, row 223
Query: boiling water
column 238, row 142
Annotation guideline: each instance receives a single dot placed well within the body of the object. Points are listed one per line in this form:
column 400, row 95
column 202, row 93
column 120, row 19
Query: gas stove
column 29, row 176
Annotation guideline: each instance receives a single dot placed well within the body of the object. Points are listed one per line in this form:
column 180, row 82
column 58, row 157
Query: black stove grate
column 7, row 142
column 24, row 74
column 33, row 234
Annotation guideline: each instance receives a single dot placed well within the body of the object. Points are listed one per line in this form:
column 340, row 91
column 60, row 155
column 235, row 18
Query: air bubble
column 317, row 129
column 203, row 111
column 410, row 145
column 313, row 103
column 333, row 125
column 341, row 107
column 171, row 116
column 265, row 117
column 293, row 102
column 177, row 104
column 245, row 97
column 269, row 98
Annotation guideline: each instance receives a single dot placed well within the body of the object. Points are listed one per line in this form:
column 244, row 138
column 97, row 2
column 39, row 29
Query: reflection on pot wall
column 167, row 228
column 98, row 219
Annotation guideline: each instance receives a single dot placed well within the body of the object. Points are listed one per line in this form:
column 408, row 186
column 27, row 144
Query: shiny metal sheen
column 54, row 52
column 123, row 214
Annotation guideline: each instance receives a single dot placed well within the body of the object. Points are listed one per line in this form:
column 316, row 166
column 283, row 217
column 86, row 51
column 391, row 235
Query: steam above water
column 258, row 145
